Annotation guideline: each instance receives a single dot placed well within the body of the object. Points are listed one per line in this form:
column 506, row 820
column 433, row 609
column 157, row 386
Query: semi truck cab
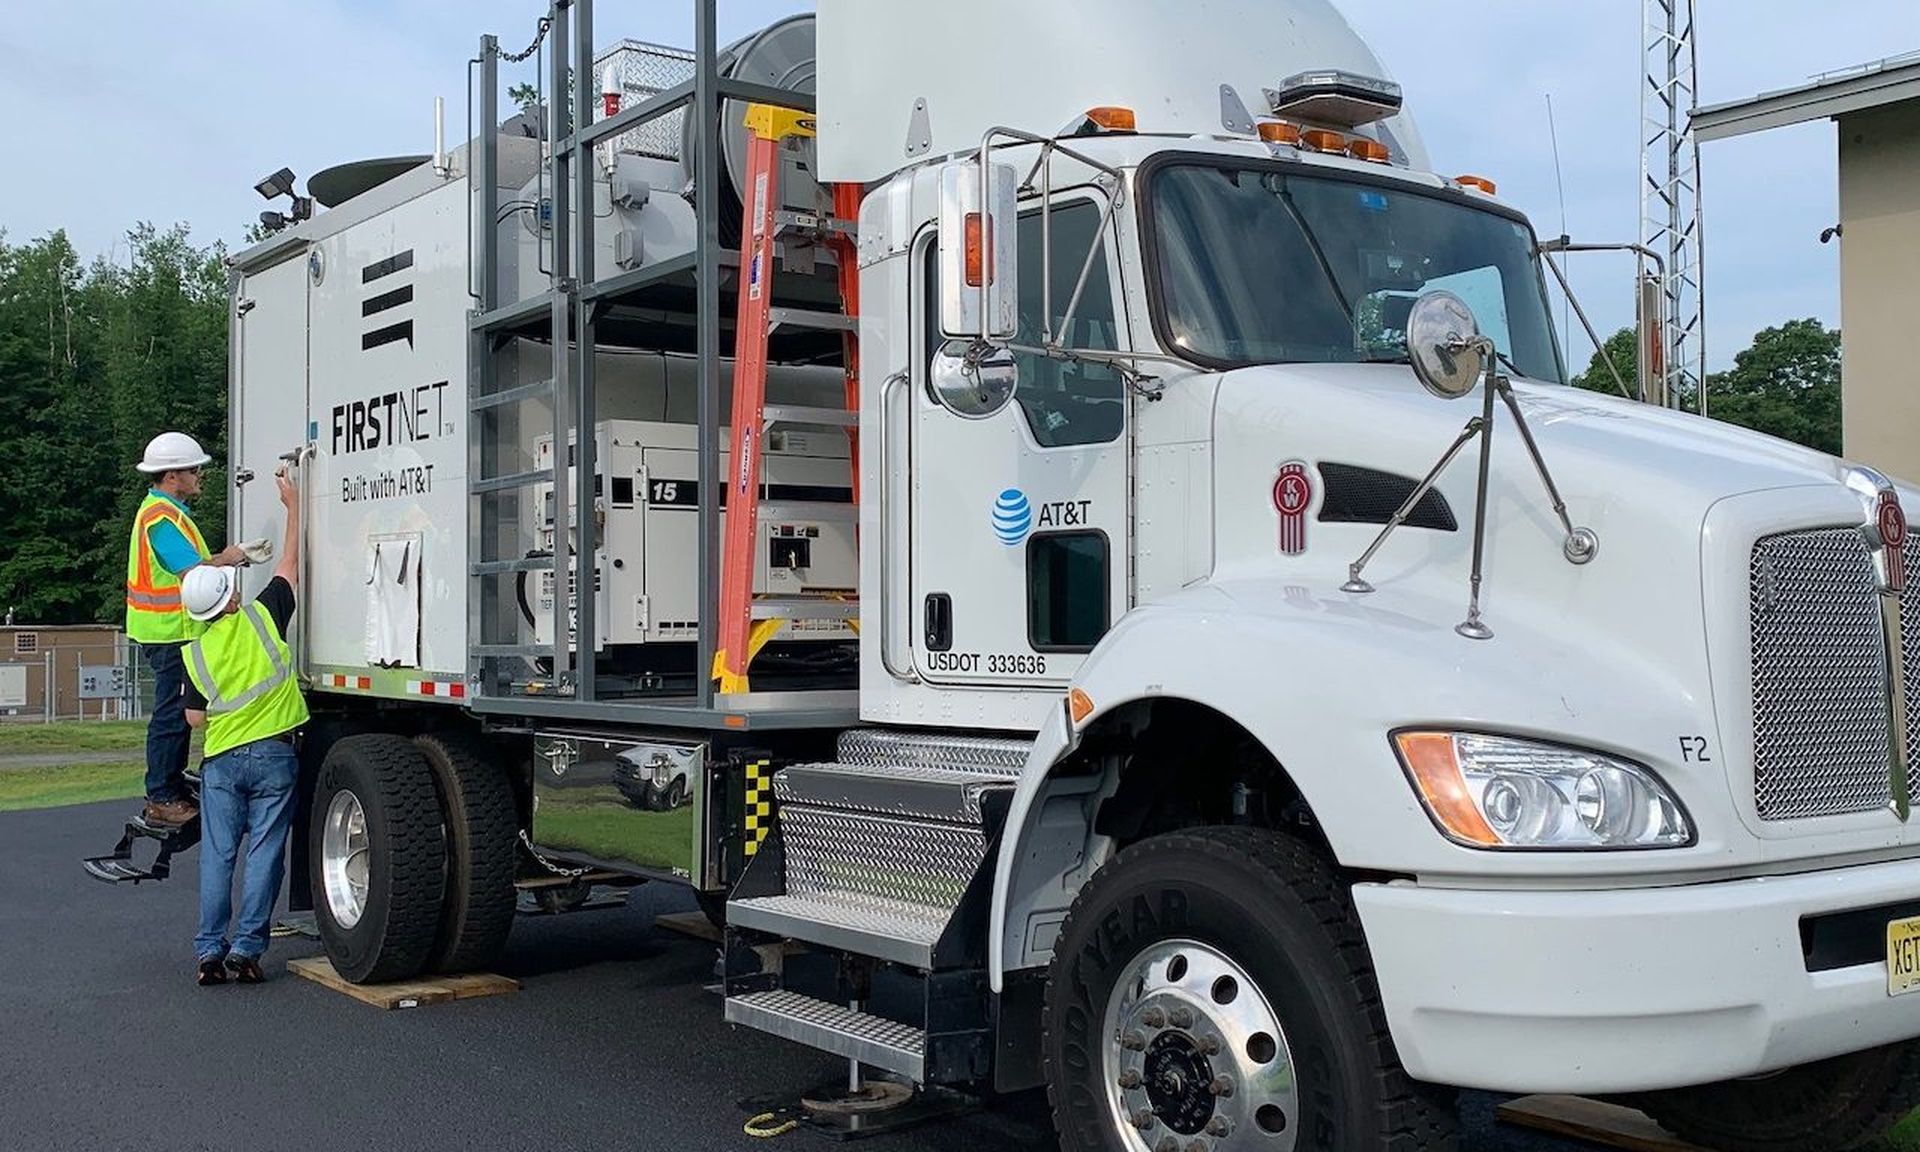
column 1266, row 696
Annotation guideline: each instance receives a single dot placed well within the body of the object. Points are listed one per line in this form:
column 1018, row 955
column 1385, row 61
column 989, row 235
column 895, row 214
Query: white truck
column 1196, row 711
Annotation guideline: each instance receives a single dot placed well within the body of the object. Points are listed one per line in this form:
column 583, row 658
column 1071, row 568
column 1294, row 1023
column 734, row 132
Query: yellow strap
column 767, row 1125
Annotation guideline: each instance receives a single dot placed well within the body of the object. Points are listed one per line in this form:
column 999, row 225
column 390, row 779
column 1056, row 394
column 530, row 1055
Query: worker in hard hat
column 241, row 689
column 165, row 545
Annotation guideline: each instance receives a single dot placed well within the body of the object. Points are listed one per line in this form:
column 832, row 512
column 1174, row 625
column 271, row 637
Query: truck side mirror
column 979, row 276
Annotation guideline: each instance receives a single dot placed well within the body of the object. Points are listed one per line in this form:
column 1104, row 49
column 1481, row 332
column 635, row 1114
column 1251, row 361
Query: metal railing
column 568, row 316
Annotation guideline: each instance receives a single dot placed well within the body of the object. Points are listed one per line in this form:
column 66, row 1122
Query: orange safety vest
column 154, row 612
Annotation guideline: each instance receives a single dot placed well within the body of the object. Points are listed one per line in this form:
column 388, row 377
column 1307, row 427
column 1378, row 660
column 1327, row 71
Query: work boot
column 169, row 813
column 246, row 969
column 211, row 971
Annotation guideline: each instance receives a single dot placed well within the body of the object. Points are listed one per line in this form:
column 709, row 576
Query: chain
column 556, row 869
column 539, row 35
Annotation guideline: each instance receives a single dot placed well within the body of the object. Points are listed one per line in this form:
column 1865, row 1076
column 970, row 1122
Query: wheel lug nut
column 1167, row 1144
column 1133, row 1042
column 1181, row 1017
column 1154, row 1018
column 1129, row 1079
column 1210, row 1045
column 1143, row 1119
column 1219, row 1126
column 1221, row 1086
column 1196, row 1146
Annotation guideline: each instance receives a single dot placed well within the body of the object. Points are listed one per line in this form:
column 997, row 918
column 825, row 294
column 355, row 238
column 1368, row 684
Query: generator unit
column 646, row 491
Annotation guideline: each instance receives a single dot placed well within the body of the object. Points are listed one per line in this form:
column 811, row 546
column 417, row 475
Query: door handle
column 242, row 476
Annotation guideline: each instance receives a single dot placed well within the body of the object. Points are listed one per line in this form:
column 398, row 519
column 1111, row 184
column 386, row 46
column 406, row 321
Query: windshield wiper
column 1319, row 253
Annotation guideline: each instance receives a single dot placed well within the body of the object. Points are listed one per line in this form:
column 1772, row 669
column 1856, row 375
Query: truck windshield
column 1265, row 264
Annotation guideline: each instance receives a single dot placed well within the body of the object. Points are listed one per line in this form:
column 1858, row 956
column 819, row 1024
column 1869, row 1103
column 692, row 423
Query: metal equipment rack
column 649, row 307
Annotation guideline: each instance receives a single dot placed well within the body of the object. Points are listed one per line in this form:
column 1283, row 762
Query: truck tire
column 379, row 856
column 1828, row 1106
column 1182, row 943
column 482, row 822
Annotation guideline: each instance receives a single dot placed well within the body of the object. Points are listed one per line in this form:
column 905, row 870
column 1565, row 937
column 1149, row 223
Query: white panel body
column 388, row 388
column 1165, row 61
column 269, row 392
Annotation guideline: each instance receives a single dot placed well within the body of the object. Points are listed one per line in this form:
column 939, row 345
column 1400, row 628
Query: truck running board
column 883, row 856
column 871, row 1040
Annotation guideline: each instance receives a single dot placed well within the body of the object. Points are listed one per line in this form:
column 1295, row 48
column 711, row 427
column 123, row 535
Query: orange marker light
column 978, row 257
column 1079, row 705
column 1112, row 117
column 1365, row 149
column 1280, row 132
column 1479, row 182
column 1430, row 761
column 1324, row 140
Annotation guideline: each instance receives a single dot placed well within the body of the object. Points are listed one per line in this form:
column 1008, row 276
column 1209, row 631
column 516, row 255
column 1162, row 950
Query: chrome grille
column 1819, row 688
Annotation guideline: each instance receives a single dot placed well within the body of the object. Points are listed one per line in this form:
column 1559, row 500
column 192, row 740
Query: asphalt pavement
column 611, row 1042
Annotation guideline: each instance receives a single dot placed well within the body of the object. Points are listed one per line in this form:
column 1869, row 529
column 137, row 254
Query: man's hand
column 227, row 557
column 288, row 493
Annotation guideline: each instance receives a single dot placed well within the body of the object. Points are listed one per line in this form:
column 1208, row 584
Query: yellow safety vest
column 154, row 613
column 245, row 670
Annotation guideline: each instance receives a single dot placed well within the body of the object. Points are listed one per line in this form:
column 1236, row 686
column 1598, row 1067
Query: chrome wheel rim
column 1195, row 1059
column 343, row 858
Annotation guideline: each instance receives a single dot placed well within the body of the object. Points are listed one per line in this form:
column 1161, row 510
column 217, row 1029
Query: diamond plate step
column 913, row 792
column 882, row 1043
column 895, row 930
column 892, row 747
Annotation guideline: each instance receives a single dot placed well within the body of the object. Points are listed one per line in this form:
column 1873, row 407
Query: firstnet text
column 390, row 418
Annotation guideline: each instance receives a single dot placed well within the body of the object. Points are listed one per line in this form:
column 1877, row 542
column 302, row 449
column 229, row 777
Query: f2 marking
column 1693, row 750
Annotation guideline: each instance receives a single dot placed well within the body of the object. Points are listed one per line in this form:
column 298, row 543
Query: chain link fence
column 105, row 680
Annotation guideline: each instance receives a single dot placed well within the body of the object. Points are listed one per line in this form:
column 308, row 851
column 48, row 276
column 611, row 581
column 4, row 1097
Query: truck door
column 270, row 334
column 1019, row 519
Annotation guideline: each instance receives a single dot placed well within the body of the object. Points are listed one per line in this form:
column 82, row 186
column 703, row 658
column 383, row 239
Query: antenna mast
column 1670, row 198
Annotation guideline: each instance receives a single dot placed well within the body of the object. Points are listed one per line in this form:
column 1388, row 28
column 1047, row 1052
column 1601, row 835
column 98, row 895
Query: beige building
column 73, row 659
column 1877, row 111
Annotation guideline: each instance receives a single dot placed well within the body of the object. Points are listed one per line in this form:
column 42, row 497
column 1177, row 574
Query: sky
column 119, row 111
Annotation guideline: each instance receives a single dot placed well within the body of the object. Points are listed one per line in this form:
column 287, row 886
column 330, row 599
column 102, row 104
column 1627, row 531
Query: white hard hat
column 205, row 590
column 171, row 450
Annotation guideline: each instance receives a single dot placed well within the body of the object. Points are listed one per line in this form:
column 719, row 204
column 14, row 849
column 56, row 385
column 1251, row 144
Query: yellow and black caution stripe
column 759, row 804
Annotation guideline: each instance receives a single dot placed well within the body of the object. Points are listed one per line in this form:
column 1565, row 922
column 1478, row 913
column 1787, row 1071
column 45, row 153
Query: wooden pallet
column 406, row 993
column 1609, row 1125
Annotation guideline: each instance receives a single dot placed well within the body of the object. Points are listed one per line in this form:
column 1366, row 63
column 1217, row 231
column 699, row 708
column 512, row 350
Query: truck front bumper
column 1628, row 989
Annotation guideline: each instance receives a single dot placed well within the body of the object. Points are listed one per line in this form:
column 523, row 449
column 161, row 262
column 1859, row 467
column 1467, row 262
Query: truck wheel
column 379, row 858
column 1828, row 1106
column 482, row 823
column 1213, row 986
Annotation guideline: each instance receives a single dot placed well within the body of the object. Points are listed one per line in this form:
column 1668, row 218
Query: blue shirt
column 170, row 545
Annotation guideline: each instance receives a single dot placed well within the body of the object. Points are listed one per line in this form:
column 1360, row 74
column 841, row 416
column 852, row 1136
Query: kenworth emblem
column 1886, row 535
column 1890, row 523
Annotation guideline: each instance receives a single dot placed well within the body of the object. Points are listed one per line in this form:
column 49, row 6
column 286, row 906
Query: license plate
column 1903, row 956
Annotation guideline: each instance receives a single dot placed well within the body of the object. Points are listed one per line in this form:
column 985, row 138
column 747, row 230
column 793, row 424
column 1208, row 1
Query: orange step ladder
column 748, row 622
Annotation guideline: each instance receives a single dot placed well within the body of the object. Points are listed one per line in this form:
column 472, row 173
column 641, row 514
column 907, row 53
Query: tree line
column 95, row 358
column 98, row 356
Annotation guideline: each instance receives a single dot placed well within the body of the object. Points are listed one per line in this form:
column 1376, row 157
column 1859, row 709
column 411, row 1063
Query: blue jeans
column 167, row 732
column 244, row 790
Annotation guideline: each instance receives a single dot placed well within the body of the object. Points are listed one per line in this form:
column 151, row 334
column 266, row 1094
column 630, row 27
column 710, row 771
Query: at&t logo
column 1012, row 516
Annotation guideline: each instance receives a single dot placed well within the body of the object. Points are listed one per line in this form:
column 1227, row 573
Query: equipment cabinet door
column 268, row 402
column 1019, row 519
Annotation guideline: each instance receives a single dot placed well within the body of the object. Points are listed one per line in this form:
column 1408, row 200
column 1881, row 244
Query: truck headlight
column 1503, row 792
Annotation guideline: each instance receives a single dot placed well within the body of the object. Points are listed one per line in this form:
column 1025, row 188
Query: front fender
column 1322, row 680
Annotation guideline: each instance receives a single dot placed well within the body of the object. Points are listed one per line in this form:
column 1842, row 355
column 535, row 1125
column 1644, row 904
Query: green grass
column 72, row 736
column 1905, row 1136
column 662, row 840
column 22, row 788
